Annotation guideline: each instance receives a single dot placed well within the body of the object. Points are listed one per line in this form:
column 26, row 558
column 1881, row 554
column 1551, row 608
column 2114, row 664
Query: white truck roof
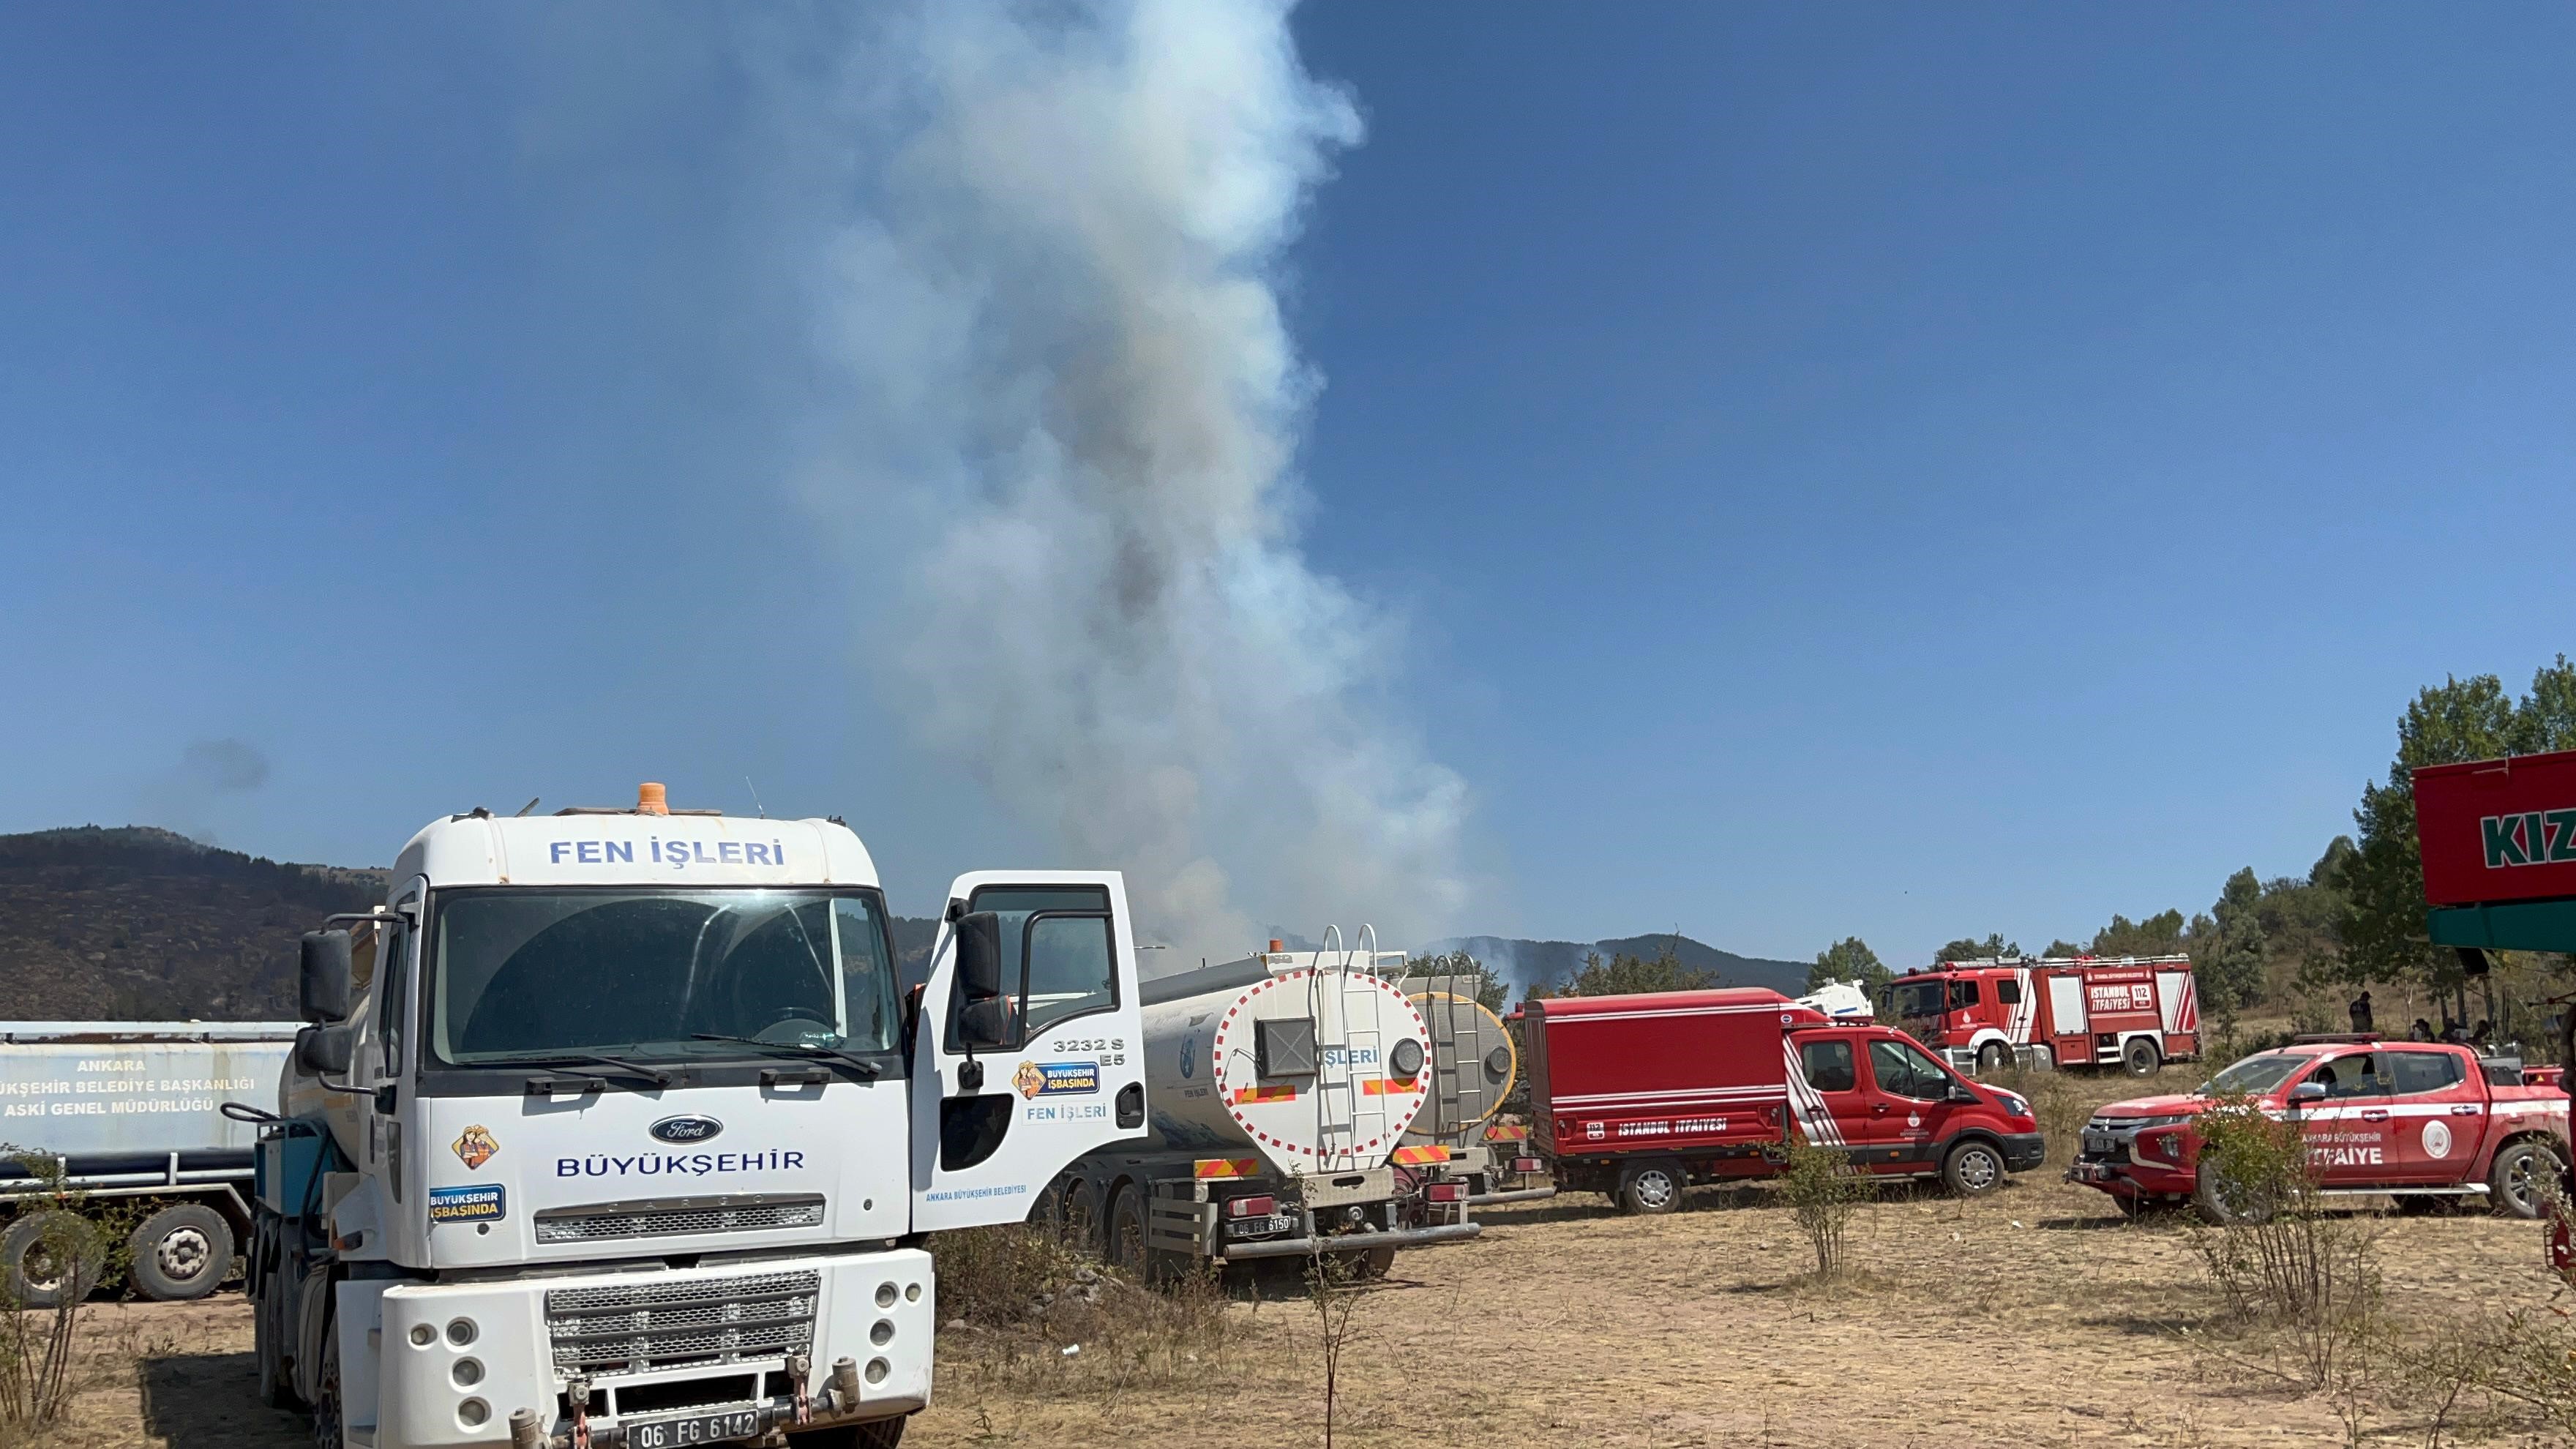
column 623, row 847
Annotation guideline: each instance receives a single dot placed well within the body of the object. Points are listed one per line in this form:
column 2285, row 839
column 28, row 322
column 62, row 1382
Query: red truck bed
column 1665, row 1069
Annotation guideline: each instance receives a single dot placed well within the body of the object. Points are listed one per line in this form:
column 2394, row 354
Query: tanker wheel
column 1126, row 1242
column 1993, row 1057
column 2516, row 1183
column 1079, row 1215
column 181, row 1253
column 2140, row 1057
column 1651, row 1188
column 327, row 1431
column 51, row 1258
column 1368, row 1264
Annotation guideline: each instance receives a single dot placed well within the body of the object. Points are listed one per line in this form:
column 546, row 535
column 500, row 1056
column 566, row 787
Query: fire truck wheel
column 50, row 1258
column 2141, row 1058
column 2228, row 1209
column 1651, row 1187
column 1973, row 1169
column 181, row 1253
column 328, row 1433
column 1993, row 1057
column 2514, row 1183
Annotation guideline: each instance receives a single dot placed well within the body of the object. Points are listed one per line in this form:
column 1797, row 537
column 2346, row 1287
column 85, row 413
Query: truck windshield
column 520, row 974
column 1918, row 998
column 2256, row 1074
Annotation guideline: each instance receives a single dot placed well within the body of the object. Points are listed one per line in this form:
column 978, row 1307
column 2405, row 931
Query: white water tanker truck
column 1474, row 1066
column 1281, row 1085
column 121, row 1120
column 625, row 1137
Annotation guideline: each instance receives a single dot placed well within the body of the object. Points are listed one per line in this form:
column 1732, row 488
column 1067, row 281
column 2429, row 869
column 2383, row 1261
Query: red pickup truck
column 2425, row 1123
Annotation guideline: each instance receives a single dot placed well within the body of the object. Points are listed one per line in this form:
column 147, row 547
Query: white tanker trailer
column 1279, row 1088
column 1474, row 1066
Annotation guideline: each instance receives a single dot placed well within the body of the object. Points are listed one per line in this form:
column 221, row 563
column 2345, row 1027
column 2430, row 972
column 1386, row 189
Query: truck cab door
column 1028, row 1044
column 2437, row 1116
column 2348, row 1134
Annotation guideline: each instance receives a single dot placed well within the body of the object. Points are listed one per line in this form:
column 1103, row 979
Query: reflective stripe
column 1226, row 1167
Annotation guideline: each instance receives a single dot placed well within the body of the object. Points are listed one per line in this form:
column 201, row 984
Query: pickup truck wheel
column 51, row 1258
column 2140, row 1057
column 1973, row 1169
column 2228, row 1208
column 2517, row 1181
column 1650, row 1188
column 181, row 1253
column 1992, row 1058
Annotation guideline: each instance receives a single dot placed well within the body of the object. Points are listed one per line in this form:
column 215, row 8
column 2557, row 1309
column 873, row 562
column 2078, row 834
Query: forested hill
column 1548, row 963
column 137, row 923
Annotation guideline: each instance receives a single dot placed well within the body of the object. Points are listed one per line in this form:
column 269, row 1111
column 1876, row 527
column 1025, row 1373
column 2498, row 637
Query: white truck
column 1283, row 1084
column 612, row 1129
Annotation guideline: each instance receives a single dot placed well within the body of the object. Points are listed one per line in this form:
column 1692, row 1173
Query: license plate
column 724, row 1428
column 1275, row 1223
column 2100, row 1144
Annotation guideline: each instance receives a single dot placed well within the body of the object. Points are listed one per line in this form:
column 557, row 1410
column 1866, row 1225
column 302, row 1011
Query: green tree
column 1468, row 975
column 2162, row 934
column 2382, row 928
column 1967, row 948
column 1626, row 975
column 1849, row 959
column 2227, row 947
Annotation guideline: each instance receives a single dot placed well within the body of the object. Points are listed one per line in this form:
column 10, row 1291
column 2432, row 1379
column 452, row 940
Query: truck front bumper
column 2024, row 1150
column 454, row 1361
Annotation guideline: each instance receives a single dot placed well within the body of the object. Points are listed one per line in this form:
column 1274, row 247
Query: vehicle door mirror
column 979, row 956
column 985, row 1024
column 324, row 1050
column 1959, row 1093
column 2307, row 1094
column 322, row 985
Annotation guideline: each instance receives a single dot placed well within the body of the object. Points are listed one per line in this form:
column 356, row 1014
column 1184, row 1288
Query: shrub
column 2277, row 1259
column 1823, row 1190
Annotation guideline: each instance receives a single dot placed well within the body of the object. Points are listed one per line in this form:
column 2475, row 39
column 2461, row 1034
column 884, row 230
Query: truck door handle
column 2470, row 1110
column 1878, row 1107
column 2375, row 1114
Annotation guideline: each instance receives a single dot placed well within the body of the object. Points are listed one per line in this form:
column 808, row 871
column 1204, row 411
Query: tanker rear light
column 1444, row 1192
column 1251, row 1207
column 1525, row 1164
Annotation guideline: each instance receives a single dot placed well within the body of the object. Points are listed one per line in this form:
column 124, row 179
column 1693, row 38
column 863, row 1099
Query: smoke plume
column 1054, row 317
column 189, row 792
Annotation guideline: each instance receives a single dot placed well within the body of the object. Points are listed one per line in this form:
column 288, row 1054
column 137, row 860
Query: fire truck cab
column 2133, row 1012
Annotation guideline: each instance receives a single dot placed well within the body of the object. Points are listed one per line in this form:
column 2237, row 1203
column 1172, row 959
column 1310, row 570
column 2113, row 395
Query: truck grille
column 670, row 1217
column 631, row 1328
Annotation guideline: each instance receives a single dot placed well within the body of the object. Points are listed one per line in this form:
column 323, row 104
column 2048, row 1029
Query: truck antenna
column 755, row 796
column 524, row 809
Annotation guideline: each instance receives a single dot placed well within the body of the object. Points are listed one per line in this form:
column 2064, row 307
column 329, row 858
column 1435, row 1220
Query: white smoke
column 1057, row 313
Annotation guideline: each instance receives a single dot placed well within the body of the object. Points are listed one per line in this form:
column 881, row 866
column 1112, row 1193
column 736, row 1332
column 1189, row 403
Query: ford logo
column 685, row 1129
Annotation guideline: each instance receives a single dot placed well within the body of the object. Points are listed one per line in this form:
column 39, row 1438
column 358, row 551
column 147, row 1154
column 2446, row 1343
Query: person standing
column 2361, row 1014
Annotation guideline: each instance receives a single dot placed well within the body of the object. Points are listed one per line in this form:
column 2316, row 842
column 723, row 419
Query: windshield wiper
column 655, row 1075
column 866, row 1070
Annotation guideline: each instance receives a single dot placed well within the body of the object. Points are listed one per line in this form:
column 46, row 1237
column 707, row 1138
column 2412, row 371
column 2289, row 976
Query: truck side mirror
column 979, row 956
column 2307, row 1094
column 985, row 1024
column 324, row 1050
column 322, row 986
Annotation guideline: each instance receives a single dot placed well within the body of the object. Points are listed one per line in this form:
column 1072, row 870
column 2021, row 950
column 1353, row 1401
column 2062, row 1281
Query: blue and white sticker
column 479, row 1203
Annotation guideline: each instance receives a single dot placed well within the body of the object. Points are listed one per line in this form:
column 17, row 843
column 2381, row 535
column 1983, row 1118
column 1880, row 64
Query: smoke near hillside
column 1053, row 327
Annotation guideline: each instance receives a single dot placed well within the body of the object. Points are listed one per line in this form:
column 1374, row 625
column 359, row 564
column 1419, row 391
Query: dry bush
column 1048, row 1319
column 2282, row 1266
column 1823, row 1190
column 2061, row 1101
column 37, row 1345
column 1333, row 1288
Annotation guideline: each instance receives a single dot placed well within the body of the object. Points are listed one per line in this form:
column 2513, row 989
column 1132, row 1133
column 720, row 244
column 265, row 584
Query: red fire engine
column 2137, row 1012
column 1639, row 1096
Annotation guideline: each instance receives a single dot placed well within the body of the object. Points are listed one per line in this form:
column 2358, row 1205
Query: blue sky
column 1892, row 471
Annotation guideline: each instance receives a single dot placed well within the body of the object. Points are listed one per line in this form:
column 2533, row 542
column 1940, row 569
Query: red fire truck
column 2136, row 1012
column 1640, row 1096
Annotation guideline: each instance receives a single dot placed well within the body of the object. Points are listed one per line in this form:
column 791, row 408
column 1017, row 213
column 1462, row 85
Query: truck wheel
column 181, row 1253
column 2227, row 1209
column 51, row 1258
column 1973, row 1169
column 2516, row 1182
column 2140, row 1057
column 1127, row 1232
column 327, row 1432
column 874, row 1434
column 1993, row 1057
column 1650, row 1188
column 1373, row 1264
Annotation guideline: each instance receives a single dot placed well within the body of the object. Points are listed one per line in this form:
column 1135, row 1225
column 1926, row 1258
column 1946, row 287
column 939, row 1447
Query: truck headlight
column 2014, row 1105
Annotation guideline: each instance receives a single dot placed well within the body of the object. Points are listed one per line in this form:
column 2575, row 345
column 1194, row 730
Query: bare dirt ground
column 2037, row 1316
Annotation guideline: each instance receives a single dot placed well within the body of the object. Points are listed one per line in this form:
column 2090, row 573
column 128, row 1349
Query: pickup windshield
column 2256, row 1074
column 519, row 975
column 1918, row 998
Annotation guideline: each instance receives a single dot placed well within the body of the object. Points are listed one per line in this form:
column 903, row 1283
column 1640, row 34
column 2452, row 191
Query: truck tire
column 874, row 1434
column 327, row 1430
column 1650, row 1188
column 181, row 1253
column 1993, row 1057
column 1370, row 1265
column 1126, row 1237
column 35, row 1278
column 2519, row 1180
column 1973, row 1168
column 2225, row 1209
column 2140, row 1057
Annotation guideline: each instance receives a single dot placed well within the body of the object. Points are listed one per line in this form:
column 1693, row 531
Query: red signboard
column 2498, row 830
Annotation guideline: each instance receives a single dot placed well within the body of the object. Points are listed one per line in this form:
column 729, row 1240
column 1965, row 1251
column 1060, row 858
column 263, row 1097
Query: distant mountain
column 1537, row 963
column 137, row 923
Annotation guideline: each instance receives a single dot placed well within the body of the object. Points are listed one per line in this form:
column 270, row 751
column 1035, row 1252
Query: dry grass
column 2038, row 1316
